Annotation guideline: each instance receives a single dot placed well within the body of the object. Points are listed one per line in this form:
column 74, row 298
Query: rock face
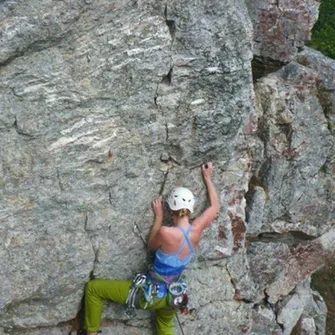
column 106, row 104
column 282, row 27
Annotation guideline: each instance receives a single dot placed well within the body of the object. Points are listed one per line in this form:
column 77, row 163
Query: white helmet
column 179, row 198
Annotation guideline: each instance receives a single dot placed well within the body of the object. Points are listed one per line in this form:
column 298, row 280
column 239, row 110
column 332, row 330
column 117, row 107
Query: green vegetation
column 324, row 282
column 323, row 33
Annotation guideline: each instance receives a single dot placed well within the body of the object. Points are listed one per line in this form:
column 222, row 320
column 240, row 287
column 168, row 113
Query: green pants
column 98, row 290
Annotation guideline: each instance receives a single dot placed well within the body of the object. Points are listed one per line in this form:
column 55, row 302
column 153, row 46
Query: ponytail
column 181, row 212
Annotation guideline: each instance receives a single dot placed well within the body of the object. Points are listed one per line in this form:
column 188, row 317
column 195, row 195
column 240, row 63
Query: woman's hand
column 206, row 217
column 157, row 207
column 207, row 170
column 154, row 241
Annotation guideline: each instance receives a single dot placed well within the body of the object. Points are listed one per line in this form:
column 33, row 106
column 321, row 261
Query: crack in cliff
column 34, row 47
column 262, row 66
column 94, row 247
column 15, row 94
column 156, row 95
column 167, row 79
column 161, row 190
column 11, row 58
column 291, row 238
column 166, row 133
column 325, row 100
column 60, row 182
column 110, row 198
column 22, row 133
column 249, row 196
column 273, row 308
column 85, row 224
column 170, row 23
column 45, row 43
column 231, row 280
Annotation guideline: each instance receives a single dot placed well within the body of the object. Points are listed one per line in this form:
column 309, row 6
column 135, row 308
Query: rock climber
column 162, row 289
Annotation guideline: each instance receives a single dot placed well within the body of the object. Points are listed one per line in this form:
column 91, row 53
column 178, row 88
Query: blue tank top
column 170, row 264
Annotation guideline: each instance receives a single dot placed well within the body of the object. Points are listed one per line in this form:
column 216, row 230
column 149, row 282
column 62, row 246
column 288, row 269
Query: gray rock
column 290, row 312
column 93, row 94
column 298, row 146
column 304, row 260
column 267, row 261
column 281, row 28
column 264, row 321
column 308, row 326
column 255, row 209
column 107, row 104
column 60, row 330
column 316, row 309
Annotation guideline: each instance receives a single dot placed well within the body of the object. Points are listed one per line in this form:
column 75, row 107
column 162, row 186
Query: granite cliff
column 107, row 103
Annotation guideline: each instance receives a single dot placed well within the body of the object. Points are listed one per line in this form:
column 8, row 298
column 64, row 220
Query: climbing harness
column 148, row 287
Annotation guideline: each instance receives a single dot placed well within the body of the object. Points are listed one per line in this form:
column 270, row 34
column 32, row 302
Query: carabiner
column 137, row 232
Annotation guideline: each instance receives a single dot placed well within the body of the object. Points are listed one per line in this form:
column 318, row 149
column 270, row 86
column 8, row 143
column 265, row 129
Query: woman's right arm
column 202, row 221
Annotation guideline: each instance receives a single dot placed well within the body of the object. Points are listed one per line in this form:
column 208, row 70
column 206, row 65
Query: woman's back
column 174, row 255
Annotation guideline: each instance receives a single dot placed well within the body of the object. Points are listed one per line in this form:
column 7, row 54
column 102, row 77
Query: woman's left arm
column 154, row 239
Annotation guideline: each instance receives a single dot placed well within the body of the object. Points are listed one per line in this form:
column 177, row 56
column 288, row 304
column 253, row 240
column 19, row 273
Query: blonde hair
column 181, row 212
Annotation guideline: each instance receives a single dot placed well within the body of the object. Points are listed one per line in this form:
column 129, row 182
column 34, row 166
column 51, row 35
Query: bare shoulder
column 164, row 230
column 170, row 235
column 167, row 232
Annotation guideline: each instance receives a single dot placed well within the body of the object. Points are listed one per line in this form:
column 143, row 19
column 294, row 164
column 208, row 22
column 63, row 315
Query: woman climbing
column 161, row 289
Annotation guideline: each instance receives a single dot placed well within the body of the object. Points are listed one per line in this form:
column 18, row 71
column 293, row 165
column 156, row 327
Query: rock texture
column 282, row 27
column 106, row 104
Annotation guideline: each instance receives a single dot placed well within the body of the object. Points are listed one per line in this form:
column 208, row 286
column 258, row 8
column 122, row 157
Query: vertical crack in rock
column 110, row 198
column 94, row 247
column 156, row 95
column 287, row 130
column 170, row 23
column 231, row 281
column 166, row 133
column 161, row 190
column 159, row 107
column 86, row 221
column 273, row 308
column 62, row 188
column 167, row 79
column 250, row 196
column 323, row 95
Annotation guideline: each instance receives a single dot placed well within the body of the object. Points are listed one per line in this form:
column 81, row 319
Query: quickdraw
column 132, row 300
